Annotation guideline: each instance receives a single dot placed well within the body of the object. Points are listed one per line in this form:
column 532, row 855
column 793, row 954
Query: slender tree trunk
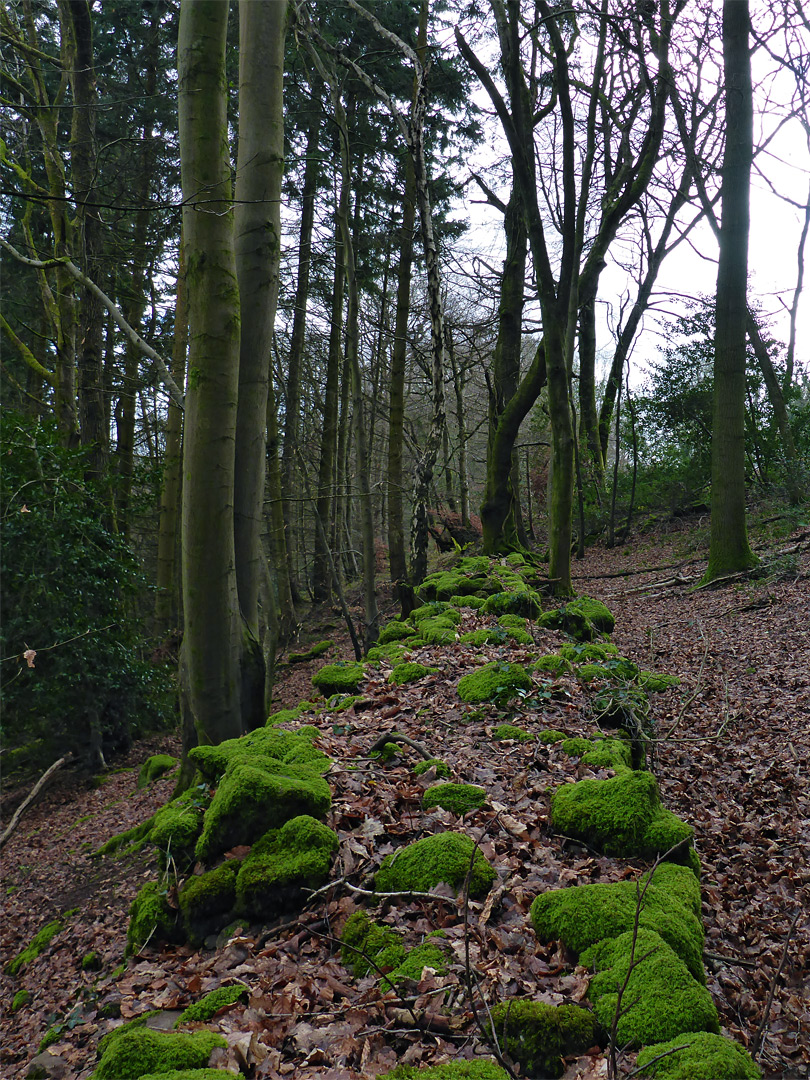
column 729, row 551
column 459, row 382
column 588, row 417
column 213, row 642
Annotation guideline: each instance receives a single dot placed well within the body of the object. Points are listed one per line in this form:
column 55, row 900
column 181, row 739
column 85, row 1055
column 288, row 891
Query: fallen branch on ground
column 35, row 790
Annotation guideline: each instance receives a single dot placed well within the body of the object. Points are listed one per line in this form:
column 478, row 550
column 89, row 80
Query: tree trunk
column 214, row 638
column 729, row 551
column 257, row 245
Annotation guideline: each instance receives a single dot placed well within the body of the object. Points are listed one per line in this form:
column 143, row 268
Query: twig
column 756, row 1045
column 35, row 790
column 396, row 737
column 408, row 895
column 730, row 960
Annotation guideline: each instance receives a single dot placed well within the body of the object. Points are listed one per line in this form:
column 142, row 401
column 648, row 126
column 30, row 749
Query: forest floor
column 731, row 758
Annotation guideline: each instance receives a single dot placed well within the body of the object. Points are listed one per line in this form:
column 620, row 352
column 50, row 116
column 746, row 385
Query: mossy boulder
column 39, row 944
column 576, row 747
column 454, row 1070
column 316, row 650
column 426, row 955
column 20, row 1000
column 206, row 900
column 511, row 731
column 586, row 914
column 698, row 1056
column 408, row 673
column 483, row 636
column 520, row 601
column 366, row 945
column 139, row 1051
column 538, row 1036
column 393, row 653
column 589, row 672
column 438, row 630
column 154, row 767
column 457, row 798
column 269, row 748
column 608, row 754
column 282, row 865
column 442, row 768
column 151, row 919
column 251, row 798
column 597, row 652
column 435, row 609
column 207, row 1007
column 551, row 736
column 594, row 611
column 396, row 630
column 496, row 683
column 583, row 619
column 553, row 663
column 474, row 602
column 622, row 816
column 339, row 678
column 445, row 857
column 176, row 828
column 661, row 999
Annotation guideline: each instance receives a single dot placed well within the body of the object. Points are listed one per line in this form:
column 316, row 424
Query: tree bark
column 729, row 551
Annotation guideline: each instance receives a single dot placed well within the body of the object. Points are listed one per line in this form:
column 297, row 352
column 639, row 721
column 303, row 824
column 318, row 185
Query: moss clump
column 250, row 798
column 474, row 602
column 594, row 611
column 155, row 767
column 442, row 768
column 38, row 945
column 150, row 919
column 387, row 752
column 512, row 731
column 407, row 673
column 312, row 653
column 608, row 754
column 512, row 622
column 396, row 630
column 427, row 863
column 551, row 736
column 469, row 577
column 129, row 842
column 482, row 636
column 598, row 652
column 661, row 998
column 576, row 747
column 454, row 1070
column 339, row 678
column 366, row 946
column 433, row 610
column 494, row 682
column 622, row 816
column 553, row 663
column 207, row 1007
column 135, row 1052
column 91, row 962
column 207, row 900
column 583, row 619
column 457, row 798
column 189, row 1074
column 698, row 1056
column 438, row 630
column 282, row 865
column 413, row 964
column 654, row 683
column 176, row 828
column 392, row 653
column 521, row 601
column 21, row 999
column 538, row 1036
column 582, row 916
column 589, row 672
column 269, row 748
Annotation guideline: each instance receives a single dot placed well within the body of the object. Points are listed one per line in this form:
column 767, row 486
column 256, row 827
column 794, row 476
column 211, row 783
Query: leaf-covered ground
column 732, row 758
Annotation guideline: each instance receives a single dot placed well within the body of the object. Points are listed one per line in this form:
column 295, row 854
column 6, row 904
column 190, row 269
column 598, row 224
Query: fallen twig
column 756, row 1045
column 396, row 737
column 35, row 790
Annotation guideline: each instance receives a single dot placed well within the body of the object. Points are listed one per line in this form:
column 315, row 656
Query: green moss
column 366, row 946
column 282, row 865
column 698, row 1055
column 553, row 663
column 582, row 916
column 442, row 768
column 134, row 1053
column 454, row 1070
column 494, row 682
column 438, row 631
column 387, row 752
column 511, row 731
column 91, row 962
column 622, row 816
column 589, row 672
column 396, row 631
column 463, row 581
column 250, row 799
column 150, row 919
column 661, row 998
column 283, row 716
column 155, row 767
column 608, row 754
column 595, row 611
column 457, row 798
column 128, row 842
column 551, row 736
column 269, row 748
column 474, row 602
column 512, row 622
column 21, row 999
column 482, row 636
column 407, row 673
column 177, row 826
column 445, row 857
column 435, row 609
column 207, row 1007
column 576, row 747
column 52, row 1035
column 189, row 1074
column 538, row 1036
column 312, row 653
column 522, row 601
column 653, row 683
column 598, row 652
column 206, row 900
column 413, row 964
column 393, row 653
column 38, row 945
column 339, row 678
